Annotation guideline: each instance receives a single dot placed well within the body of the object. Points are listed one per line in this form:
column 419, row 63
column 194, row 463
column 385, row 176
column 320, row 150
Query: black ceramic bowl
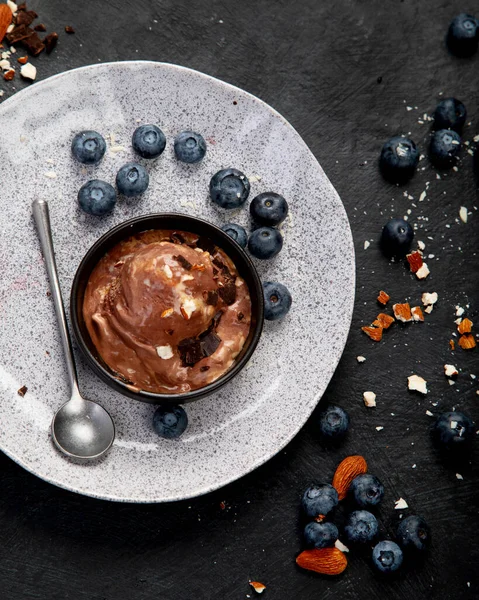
column 181, row 223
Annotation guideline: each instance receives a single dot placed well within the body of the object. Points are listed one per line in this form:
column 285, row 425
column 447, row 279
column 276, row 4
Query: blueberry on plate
column 170, row 421
column 387, row 556
column 319, row 499
column 398, row 160
column 367, row 490
column 88, row 147
column 450, row 114
column 190, row 147
column 320, row 535
column 229, row 188
column 97, row 197
column 132, row 179
column 265, row 242
column 361, row 526
column 236, row 232
column 396, row 237
column 277, row 300
column 413, row 533
column 463, row 35
column 333, row 422
column 453, row 431
column 148, row 141
column 444, row 148
column 268, row 208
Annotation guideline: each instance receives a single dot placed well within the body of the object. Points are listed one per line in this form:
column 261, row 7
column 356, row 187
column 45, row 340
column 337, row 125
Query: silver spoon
column 80, row 428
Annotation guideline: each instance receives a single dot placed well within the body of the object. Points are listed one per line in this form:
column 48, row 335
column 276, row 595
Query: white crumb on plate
column 459, row 311
column 400, row 504
column 429, row 413
column 51, row 174
column 414, row 466
column 429, row 309
column 360, row 359
column 450, row 371
column 422, row 196
column 421, row 245
column 451, row 382
column 429, row 298
column 369, row 399
column 28, row 71
column 416, row 383
column 379, row 428
column 463, row 214
column 340, row 546
column 254, row 178
column 366, row 245
column 423, row 271
column 459, row 476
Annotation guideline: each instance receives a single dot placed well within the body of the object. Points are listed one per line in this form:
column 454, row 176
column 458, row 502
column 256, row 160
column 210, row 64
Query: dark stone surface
column 318, row 63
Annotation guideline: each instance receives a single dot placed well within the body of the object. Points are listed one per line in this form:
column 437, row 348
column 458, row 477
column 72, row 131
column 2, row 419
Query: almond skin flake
column 383, row 297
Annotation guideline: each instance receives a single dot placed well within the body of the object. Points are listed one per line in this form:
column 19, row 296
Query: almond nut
column 327, row 561
column 347, row 470
column 415, row 261
column 375, row 333
column 467, row 341
column 417, row 313
column 383, row 298
column 383, row 320
column 402, row 312
column 465, row 326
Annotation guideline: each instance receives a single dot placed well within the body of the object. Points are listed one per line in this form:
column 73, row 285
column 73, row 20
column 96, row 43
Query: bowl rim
column 101, row 245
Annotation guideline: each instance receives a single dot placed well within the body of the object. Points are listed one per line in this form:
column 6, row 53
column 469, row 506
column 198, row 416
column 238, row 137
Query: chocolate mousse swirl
column 162, row 309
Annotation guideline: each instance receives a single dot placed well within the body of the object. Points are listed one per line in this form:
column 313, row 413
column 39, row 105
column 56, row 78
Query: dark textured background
column 318, row 63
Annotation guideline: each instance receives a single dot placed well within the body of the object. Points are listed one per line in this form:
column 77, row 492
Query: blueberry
column 277, row 300
column 450, row 114
column 396, row 237
column 444, row 148
column 320, row 535
column 361, row 526
column 132, row 179
column 265, row 242
column 190, row 147
column 236, row 232
column 453, row 431
column 413, row 533
column 88, row 147
column 333, row 422
column 229, row 188
column 269, row 208
column 148, row 141
column 97, row 197
column 170, row 421
column 399, row 158
column 387, row 556
column 319, row 499
column 367, row 490
column 463, row 35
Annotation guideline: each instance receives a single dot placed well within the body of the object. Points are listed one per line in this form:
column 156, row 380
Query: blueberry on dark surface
column 387, row 556
column 453, row 431
column 361, row 526
column 148, row 141
column 367, row 490
column 320, row 535
column 236, row 232
column 396, row 237
column 399, row 158
column 444, row 148
column 170, row 421
column 265, row 242
column 333, row 422
column 268, row 208
column 88, row 147
column 97, row 197
column 277, row 300
column 413, row 533
column 319, row 499
column 450, row 114
column 132, row 179
column 229, row 188
column 190, row 147
column 463, row 35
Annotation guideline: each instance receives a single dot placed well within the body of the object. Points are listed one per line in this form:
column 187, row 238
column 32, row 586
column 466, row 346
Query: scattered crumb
column 379, row 428
column 429, row 309
column 51, row 175
column 459, row 476
column 257, row 586
column 366, row 245
column 429, row 413
column 369, row 399
column 459, row 311
column 421, row 245
column 340, row 546
column 400, row 504
column 450, row 371
column 429, row 298
column 423, row 272
column 463, row 214
column 360, row 359
column 416, row 383
column 417, row 314
column 22, row 391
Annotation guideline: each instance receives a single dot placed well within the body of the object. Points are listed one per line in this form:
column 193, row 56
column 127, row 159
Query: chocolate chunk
column 227, row 291
column 190, row 351
column 25, row 17
column 183, row 262
column 69, row 29
column 211, row 297
column 213, row 325
column 22, row 391
column 240, row 316
column 204, row 368
column 33, row 43
column 219, row 263
column 22, row 6
column 177, row 238
column 210, row 343
column 50, row 41
column 206, row 244
column 19, row 33
column 40, row 27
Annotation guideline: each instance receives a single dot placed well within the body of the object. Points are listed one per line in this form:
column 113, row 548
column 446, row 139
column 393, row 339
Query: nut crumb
column 429, row 309
column 379, row 428
column 450, row 371
column 375, row 333
column 467, row 341
column 459, row 476
column 465, row 326
column 340, row 546
column 360, row 359
column 417, row 384
column 383, row 297
column 22, row 391
column 429, row 413
column 257, row 586
column 400, row 504
column 423, row 272
column 415, row 261
column 417, row 314
column 463, row 214
column 459, row 311
column 369, row 399
column 402, row 312
column 383, row 320
column 452, row 345
column 429, row 298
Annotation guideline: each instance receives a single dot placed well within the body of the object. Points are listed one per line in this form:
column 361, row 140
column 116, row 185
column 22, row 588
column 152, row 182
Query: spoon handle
column 41, row 217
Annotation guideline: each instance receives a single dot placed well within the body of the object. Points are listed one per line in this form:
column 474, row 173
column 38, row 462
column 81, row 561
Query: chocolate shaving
column 40, row 27
column 190, row 351
column 227, row 291
column 211, row 297
column 22, row 391
column 19, row 33
column 50, row 41
column 204, row 368
column 22, row 6
column 33, row 44
column 183, row 262
column 206, row 244
column 69, row 29
column 210, row 343
column 177, row 238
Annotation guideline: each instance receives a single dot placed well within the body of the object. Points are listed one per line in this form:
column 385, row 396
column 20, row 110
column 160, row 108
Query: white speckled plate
column 256, row 415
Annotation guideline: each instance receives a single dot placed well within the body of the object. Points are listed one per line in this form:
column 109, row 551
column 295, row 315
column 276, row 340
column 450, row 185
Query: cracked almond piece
column 417, row 384
column 452, row 344
column 9, row 75
column 258, row 587
column 383, row 320
column 417, row 313
column 423, row 272
column 415, row 261
column 22, row 59
column 465, row 326
column 327, row 561
column 402, row 312
column 375, row 333
column 450, row 371
column 467, row 341
column 383, row 297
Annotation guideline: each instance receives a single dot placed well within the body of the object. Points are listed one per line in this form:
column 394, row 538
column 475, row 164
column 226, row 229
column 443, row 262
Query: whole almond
column 347, row 470
column 327, row 561
column 5, row 19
